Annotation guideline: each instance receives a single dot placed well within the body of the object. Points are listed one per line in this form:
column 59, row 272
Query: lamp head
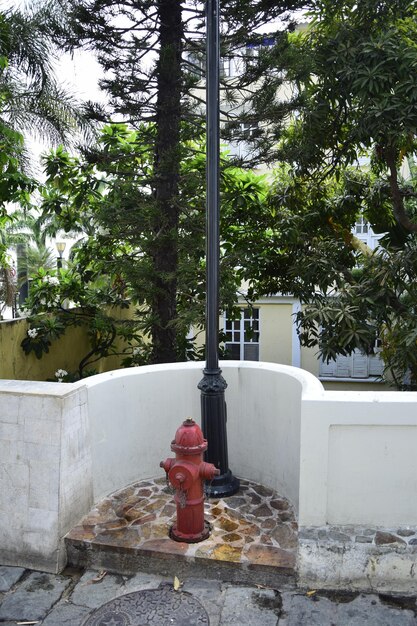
column 60, row 246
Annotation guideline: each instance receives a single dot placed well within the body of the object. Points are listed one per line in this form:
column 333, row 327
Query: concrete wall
column 64, row 445
column 134, row 418
column 45, row 470
column 264, row 403
column 358, row 491
column 358, row 448
column 347, row 460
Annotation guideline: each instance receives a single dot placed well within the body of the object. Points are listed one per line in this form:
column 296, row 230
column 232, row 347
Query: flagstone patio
column 253, row 534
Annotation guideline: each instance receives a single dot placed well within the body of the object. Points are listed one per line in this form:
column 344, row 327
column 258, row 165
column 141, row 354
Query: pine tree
column 148, row 52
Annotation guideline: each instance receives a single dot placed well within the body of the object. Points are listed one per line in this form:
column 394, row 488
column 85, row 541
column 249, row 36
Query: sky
column 82, row 72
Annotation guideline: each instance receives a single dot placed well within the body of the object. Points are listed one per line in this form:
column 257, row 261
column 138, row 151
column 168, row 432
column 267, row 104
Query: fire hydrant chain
column 169, row 489
column 207, row 490
column 182, row 498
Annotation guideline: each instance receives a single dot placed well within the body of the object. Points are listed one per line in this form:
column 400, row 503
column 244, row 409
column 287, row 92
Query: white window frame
column 195, row 63
column 363, row 231
column 362, row 226
column 240, row 332
column 225, row 67
column 242, row 147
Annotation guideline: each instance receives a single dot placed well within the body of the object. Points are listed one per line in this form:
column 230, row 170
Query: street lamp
column 213, row 385
column 60, row 246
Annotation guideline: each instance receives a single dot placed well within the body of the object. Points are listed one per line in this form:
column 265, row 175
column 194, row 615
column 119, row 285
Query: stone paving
column 71, row 599
column 405, row 537
column 252, row 548
column 254, row 529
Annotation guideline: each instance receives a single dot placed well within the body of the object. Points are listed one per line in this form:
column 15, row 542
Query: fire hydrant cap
column 189, row 438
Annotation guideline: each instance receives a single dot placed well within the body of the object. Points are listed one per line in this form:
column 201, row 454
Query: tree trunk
column 166, row 170
column 397, row 199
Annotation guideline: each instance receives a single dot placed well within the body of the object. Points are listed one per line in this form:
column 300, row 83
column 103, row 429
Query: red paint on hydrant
column 187, row 473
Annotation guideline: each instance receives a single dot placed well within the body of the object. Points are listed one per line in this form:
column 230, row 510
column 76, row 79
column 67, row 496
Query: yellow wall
column 64, row 353
column 309, row 360
column 275, row 339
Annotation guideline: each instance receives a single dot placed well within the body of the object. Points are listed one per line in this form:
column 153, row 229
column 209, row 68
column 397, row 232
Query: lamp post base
column 222, row 486
column 213, row 420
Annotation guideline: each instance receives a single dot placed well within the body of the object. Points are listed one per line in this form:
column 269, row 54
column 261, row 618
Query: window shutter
column 360, row 365
column 251, row 352
column 376, row 365
column 328, row 369
column 343, row 366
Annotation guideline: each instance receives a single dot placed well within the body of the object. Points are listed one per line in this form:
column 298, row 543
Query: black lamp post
column 213, row 385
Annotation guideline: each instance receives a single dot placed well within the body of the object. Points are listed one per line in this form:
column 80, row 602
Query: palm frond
column 32, row 100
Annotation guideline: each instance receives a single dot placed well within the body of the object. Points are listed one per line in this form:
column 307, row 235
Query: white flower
column 59, row 374
column 33, row 332
column 51, row 280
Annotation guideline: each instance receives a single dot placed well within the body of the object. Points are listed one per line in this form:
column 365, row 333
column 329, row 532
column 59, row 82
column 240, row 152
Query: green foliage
column 15, row 186
column 70, row 299
column 112, row 268
column 31, row 102
column 354, row 69
column 40, row 337
column 358, row 88
column 150, row 79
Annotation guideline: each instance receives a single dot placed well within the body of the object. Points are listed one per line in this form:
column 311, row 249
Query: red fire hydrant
column 187, row 473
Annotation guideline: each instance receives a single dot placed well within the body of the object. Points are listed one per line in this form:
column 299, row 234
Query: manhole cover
column 153, row 607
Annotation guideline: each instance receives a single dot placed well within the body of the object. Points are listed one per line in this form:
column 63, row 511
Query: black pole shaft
column 213, row 183
column 213, row 385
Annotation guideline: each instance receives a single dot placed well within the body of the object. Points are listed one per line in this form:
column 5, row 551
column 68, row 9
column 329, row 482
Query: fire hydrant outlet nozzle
column 187, row 473
column 208, row 471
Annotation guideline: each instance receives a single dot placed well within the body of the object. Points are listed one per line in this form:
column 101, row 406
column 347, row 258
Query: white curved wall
column 134, row 415
column 340, row 457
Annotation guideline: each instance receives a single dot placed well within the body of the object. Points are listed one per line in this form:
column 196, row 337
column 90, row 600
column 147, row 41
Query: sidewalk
column 69, row 599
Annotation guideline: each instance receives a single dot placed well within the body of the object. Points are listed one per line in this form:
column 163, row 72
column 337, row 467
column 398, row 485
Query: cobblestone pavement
column 70, row 598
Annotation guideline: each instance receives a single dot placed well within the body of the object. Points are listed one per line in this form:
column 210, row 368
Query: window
column 253, row 49
column 225, row 67
column 196, row 64
column 242, row 336
column 249, row 129
column 242, row 135
column 357, row 365
column 361, row 226
column 251, row 55
column 364, row 232
column 244, row 130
